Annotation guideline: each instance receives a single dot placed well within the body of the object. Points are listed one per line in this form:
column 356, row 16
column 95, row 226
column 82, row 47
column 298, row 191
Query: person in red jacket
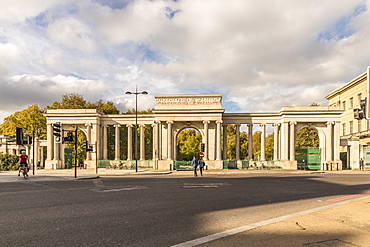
column 23, row 162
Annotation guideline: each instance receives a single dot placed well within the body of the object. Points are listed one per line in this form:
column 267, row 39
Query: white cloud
column 73, row 34
column 19, row 10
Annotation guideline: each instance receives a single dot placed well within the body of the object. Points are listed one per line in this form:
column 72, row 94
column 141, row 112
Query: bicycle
column 24, row 170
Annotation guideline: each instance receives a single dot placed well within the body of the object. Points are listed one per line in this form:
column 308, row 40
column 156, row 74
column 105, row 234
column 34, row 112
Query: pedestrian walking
column 201, row 166
column 362, row 164
column 195, row 163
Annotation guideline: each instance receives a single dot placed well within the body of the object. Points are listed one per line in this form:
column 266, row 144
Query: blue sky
column 288, row 52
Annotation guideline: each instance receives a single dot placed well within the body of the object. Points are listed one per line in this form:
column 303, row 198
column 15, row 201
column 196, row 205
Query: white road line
column 237, row 230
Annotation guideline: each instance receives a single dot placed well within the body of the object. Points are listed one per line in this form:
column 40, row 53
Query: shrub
column 8, row 162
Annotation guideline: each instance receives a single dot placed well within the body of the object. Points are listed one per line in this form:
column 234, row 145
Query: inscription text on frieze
column 188, row 101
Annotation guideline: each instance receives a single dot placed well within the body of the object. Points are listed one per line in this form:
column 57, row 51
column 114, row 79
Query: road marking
column 203, row 185
column 237, row 230
column 342, row 198
column 129, row 187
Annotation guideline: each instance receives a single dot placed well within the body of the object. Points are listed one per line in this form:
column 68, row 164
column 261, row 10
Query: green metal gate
column 183, row 165
column 68, row 158
column 308, row 158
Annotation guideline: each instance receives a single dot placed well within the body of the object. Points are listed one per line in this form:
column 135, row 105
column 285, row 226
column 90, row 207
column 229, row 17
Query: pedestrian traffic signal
column 57, row 130
column 87, row 147
column 202, row 147
column 69, row 137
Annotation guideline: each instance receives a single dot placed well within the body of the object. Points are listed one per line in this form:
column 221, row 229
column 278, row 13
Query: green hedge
column 8, row 162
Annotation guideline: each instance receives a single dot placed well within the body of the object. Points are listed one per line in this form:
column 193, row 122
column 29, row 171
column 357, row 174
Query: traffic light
column 360, row 113
column 19, row 136
column 87, row 147
column 69, row 137
column 57, row 130
column 29, row 140
column 363, row 108
column 202, row 147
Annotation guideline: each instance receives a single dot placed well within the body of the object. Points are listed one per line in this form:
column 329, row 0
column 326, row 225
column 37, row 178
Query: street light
column 136, row 93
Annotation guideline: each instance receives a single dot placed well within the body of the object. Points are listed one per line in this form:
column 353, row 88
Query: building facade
column 354, row 133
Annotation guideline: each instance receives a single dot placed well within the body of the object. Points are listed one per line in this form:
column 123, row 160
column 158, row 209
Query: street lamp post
column 136, row 93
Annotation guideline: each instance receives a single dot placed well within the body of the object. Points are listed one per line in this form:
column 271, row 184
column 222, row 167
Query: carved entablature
column 200, row 101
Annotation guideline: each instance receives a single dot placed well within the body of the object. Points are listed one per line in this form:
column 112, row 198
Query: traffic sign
column 201, row 155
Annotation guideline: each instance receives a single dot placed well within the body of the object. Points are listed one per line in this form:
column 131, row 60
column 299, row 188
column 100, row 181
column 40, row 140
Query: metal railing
column 124, row 164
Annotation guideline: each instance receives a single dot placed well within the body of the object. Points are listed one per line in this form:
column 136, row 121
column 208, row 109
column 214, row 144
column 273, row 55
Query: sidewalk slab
column 345, row 225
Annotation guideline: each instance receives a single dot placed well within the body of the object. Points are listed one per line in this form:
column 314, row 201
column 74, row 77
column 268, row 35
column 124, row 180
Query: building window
column 344, row 105
column 344, row 129
column 351, row 127
column 359, row 98
column 351, row 102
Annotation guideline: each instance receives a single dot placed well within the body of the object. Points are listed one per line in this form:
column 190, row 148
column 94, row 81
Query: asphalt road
column 157, row 210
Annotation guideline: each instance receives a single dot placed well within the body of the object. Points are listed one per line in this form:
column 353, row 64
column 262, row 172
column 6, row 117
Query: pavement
column 344, row 222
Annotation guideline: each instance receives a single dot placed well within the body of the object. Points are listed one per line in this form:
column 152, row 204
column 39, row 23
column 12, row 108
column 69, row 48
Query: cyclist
column 23, row 162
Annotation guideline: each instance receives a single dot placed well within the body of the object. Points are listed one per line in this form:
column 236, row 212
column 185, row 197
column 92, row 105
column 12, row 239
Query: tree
column 30, row 119
column 244, row 145
column 269, row 147
column 256, row 144
column 188, row 142
column 231, row 142
column 306, row 138
column 77, row 101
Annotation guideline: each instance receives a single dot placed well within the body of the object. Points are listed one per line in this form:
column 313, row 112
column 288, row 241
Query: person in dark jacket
column 195, row 163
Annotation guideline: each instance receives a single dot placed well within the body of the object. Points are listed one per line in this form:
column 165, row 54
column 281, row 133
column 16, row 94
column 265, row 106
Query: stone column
column 56, row 151
column 336, row 141
column 88, row 138
column 57, row 147
column 142, row 141
column 224, row 128
column 155, row 155
column 292, row 141
column 263, row 140
column 218, row 140
column 50, row 142
column 169, row 140
column 276, row 141
column 105, row 142
column 250, row 141
column 206, row 139
column 284, row 148
column 237, row 142
column 117, row 142
column 129, row 141
column 329, row 142
column 160, row 140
